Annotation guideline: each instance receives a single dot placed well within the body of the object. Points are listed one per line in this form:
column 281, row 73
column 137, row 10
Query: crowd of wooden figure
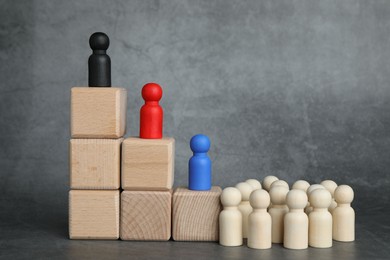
column 269, row 212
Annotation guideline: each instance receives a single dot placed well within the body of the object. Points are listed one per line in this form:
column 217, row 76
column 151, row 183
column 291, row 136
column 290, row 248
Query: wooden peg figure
column 331, row 187
column 344, row 215
column 199, row 166
column 244, row 207
column 99, row 63
column 277, row 211
column 267, row 181
column 296, row 223
column 151, row 115
column 230, row 218
column 259, row 221
column 320, row 220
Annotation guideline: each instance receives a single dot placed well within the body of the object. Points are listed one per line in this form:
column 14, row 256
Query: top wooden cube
column 98, row 112
column 148, row 164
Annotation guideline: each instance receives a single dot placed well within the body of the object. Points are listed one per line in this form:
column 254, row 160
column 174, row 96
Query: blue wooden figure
column 199, row 166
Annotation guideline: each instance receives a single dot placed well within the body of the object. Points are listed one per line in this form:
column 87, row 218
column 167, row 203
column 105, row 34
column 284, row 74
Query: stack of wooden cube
column 102, row 163
column 147, row 180
column 98, row 123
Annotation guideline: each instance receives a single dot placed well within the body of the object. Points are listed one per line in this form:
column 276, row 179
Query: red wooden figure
column 151, row 118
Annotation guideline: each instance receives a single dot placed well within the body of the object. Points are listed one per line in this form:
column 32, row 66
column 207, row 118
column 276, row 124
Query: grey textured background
column 297, row 89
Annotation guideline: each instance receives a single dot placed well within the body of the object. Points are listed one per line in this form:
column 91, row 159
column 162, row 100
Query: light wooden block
column 98, row 112
column 146, row 215
column 94, row 214
column 148, row 164
column 95, row 163
column 195, row 214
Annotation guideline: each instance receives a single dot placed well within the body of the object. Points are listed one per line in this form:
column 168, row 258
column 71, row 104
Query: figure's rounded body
column 99, row 69
column 259, row 235
column 343, row 224
column 296, row 228
column 230, row 227
column 151, row 121
column 199, row 172
column 320, row 229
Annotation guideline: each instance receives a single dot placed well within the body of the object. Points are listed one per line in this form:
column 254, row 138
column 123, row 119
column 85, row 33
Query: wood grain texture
column 148, row 164
column 195, row 214
column 146, row 215
column 93, row 214
column 95, row 163
column 98, row 112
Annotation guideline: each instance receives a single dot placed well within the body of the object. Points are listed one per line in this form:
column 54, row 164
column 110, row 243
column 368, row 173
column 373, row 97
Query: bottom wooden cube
column 195, row 214
column 94, row 214
column 146, row 215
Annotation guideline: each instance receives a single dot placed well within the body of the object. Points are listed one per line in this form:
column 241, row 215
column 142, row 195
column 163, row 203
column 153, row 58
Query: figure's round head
column 330, row 186
column 200, row 143
column 254, row 183
column 230, row 197
column 99, row 41
column 301, row 185
column 152, row 92
column 320, row 198
column 278, row 195
column 268, row 180
column 314, row 187
column 259, row 199
column 245, row 189
column 296, row 199
column 343, row 194
column 280, row 183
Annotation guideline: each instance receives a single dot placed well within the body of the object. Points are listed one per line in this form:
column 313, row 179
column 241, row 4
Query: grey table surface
column 40, row 231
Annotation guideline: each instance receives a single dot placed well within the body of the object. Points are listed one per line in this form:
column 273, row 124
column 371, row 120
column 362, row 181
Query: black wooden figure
column 99, row 63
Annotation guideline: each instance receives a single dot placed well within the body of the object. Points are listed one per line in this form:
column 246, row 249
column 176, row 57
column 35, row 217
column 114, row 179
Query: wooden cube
column 95, row 163
column 146, row 215
column 94, row 214
column 148, row 164
column 195, row 214
column 98, row 112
